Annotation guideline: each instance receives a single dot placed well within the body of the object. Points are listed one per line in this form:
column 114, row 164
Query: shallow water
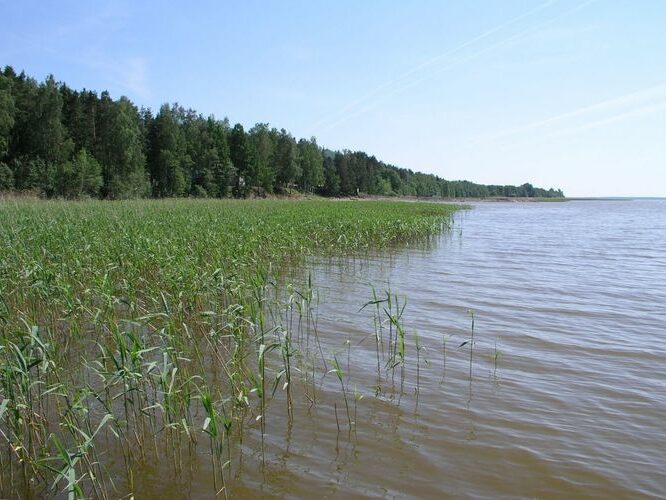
column 567, row 392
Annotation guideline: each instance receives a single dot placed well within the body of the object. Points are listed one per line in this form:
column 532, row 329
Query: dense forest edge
column 59, row 142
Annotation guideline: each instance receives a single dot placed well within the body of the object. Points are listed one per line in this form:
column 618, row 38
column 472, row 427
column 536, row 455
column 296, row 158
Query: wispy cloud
column 616, row 106
column 446, row 61
column 632, row 105
column 358, row 104
column 613, row 119
column 99, row 55
column 510, row 40
column 133, row 75
column 125, row 74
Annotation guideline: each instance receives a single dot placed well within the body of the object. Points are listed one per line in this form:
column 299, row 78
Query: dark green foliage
column 331, row 178
column 167, row 158
column 45, row 126
column 80, row 110
column 38, row 129
column 286, row 159
column 242, row 159
column 120, row 150
column 311, row 164
column 6, row 177
column 265, row 141
column 7, row 112
column 220, row 157
column 33, row 174
column 81, row 176
column 347, row 182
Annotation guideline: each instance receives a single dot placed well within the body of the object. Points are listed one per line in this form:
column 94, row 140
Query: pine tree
column 311, row 164
column 166, row 152
column 7, row 112
column 264, row 141
column 242, row 158
column 120, row 149
column 286, row 159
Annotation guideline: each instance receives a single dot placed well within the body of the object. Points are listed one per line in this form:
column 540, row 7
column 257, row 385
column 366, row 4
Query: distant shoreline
column 508, row 199
column 436, row 199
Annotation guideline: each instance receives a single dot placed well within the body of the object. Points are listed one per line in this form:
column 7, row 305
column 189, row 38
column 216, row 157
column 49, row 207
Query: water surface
column 571, row 296
column 567, row 392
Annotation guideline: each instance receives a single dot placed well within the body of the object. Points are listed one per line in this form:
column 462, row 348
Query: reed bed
column 152, row 330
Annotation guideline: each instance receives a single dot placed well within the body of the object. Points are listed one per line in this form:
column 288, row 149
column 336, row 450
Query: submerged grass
column 147, row 328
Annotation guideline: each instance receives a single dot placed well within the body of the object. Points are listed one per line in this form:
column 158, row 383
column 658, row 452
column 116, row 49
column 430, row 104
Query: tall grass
column 150, row 329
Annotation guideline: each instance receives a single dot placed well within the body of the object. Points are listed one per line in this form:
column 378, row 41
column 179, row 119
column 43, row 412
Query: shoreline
column 436, row 199
column 31, row 196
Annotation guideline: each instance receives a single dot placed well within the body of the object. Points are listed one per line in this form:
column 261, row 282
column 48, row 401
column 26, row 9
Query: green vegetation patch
column 57, row 253
column 140, row 329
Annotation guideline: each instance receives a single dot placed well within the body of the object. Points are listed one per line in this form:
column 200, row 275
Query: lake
column 564, row 394
column 569, row 297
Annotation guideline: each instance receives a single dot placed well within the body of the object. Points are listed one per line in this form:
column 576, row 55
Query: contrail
column 633, row 113
column 502, row 43
column 429, row 62
column 499, row 44
column 657, row 91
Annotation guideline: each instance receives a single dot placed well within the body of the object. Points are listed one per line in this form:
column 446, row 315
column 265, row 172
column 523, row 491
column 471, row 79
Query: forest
column 65, row 143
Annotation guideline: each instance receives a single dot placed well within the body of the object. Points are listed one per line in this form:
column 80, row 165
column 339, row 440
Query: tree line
column 60, row 142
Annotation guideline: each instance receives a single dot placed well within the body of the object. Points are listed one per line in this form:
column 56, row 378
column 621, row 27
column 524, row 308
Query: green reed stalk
column 339, row 374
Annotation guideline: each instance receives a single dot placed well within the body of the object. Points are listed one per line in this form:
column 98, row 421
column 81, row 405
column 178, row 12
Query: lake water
column 570, row 297
column 565, row 394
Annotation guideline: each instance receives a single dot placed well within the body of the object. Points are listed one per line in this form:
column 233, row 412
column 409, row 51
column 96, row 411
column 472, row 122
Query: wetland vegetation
column 141, row 331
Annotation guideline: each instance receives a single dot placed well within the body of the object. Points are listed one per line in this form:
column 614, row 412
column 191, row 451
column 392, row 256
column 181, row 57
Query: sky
column 568, row 94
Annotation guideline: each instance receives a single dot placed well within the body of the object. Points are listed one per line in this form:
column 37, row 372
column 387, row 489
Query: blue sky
column 568, row 93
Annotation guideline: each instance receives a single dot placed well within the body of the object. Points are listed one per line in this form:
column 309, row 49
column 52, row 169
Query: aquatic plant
column 470, row 341
column 497, row 354
column 148, row 330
